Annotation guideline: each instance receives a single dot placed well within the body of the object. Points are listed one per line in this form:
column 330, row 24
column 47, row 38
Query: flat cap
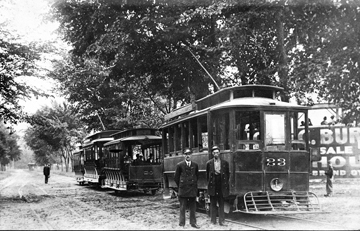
column 215, row 148
column 187, row 151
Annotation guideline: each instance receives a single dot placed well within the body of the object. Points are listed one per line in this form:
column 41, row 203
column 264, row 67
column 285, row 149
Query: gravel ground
column 27, row 203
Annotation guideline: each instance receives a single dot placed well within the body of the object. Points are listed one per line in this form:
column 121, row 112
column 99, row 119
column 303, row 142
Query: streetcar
column 78, row 165
column 259, row 135
column 133, row 161
column 93, row 146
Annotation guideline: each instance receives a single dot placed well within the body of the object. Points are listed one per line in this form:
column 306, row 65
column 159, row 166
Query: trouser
column 217, row 199
column 46, row 179
column 191, row 203
column 329, row 186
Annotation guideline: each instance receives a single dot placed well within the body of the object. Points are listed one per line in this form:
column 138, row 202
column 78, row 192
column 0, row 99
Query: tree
column 55, row 131
column 138, row 53
column 304, row 47
column 19, row 59
column 15, row 60
column 9, row 149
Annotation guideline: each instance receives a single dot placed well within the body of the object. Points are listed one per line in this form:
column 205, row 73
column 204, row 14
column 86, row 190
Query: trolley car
column 258, row 135
column 133, row 161
column 78, row 165
column 93, row 155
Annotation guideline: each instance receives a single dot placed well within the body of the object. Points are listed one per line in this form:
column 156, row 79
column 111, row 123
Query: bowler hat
column 187, row 151
column 215, row 148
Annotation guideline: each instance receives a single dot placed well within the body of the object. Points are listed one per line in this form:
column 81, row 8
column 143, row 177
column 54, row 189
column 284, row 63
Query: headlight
column 276, row 184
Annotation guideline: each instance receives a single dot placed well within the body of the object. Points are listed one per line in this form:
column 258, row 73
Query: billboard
column 339, row 144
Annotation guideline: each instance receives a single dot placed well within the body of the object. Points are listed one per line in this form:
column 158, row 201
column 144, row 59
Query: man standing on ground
column 217, row 174
column 329, row 180
column 186, row 177
column 47, row 172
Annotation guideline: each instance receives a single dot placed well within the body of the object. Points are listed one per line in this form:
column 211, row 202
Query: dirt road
column 27, row 203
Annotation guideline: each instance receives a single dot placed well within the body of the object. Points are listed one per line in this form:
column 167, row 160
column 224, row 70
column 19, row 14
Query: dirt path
column 27, row 203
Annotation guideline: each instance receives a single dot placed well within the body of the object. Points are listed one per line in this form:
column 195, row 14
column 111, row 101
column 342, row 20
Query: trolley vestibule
column 258, row 135
column 133, row 161
column 78, row 165
column 93, row 147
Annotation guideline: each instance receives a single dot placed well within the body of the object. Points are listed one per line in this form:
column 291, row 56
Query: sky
column 25, row 18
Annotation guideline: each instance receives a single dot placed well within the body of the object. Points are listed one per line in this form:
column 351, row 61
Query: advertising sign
column 340, row 145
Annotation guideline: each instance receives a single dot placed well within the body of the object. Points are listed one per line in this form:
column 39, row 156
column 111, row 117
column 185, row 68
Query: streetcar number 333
column 275, row 162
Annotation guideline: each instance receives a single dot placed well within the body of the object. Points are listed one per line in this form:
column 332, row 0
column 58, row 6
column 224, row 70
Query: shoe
column 222, row 224
column 195, row 226
column 326, row 195
column 214, row 223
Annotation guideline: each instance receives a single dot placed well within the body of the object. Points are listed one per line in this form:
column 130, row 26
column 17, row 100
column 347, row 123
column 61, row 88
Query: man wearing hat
column 46, row 171
column 329, row 179
column 217, row 175
column 186, row 177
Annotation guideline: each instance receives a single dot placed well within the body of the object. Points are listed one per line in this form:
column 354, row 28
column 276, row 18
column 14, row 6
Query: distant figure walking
column 47, row 172
column 324, row 122
column 329, row 180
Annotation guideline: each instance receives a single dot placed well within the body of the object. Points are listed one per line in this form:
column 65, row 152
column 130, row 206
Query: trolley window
column 297, row 122
column 221, row 128
column 275, row 131
column 247, row 130
column 190, row 133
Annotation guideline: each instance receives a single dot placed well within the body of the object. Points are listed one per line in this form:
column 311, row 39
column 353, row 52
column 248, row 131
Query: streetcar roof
column 97, row 140
column 256, row 102
column 247, row 102
column 245, row 87
column 185, row 117
column 105, row 133
column 227, row 94
column 133, row 138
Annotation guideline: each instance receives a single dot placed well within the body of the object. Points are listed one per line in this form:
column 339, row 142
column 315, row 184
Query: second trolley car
column 133, row 161
column 259, row 135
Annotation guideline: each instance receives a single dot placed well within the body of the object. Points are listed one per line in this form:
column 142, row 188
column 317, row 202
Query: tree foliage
column 55, row 131
column 138, row 54
column 15, row 60
column 9, row 148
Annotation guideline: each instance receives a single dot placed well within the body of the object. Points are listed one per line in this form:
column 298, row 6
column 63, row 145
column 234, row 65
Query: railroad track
column 280, row 222
column 332, row 225
column 244, row 224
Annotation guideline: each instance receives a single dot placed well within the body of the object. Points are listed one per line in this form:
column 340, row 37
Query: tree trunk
column 283, row 68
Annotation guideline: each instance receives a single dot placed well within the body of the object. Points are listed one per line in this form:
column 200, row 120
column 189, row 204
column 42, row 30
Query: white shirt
column 188, row 163
column 217, row 166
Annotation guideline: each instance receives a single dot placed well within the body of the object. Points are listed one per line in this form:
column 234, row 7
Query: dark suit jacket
column 46, row 170
column 186, row 179
column 224, row 173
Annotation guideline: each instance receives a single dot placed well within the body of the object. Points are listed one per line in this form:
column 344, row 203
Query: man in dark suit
column 329, row 180
column 186, row 177
column 46, row 172
column 217, row 174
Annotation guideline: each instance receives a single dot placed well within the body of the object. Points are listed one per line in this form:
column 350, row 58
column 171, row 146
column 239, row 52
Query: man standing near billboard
column 329, row 180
